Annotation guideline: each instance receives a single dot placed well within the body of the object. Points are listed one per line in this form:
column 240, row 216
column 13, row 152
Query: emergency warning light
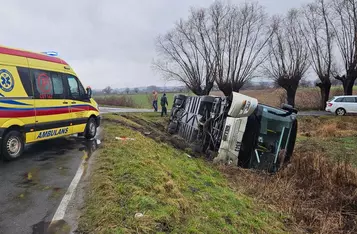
column 51, row 53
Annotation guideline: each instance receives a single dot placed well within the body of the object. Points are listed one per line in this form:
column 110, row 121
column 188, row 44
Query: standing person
column 163, row 105
column 154, row 102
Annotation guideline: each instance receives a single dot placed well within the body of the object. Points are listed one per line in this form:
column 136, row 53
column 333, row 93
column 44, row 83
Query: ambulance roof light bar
column 51, row 53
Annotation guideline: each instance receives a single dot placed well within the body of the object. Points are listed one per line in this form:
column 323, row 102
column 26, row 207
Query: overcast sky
column 108, row 42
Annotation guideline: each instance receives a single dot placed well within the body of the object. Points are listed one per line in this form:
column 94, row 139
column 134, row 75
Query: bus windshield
column 273, row 139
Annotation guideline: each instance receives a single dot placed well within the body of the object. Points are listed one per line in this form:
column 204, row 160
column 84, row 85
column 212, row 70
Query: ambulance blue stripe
column 41, row 108
column 13, row 102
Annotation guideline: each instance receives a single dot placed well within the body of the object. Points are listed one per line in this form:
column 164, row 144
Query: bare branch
column 186, row 56
column 344, row 25
column 240, row 35
column 288, row 58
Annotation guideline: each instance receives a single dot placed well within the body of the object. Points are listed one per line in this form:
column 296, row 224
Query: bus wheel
column 13, row 145
column 91, row 129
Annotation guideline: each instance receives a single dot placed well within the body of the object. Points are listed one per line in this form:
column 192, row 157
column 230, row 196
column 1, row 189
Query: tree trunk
column 347, row 82
column 291, row 93
column 348, row 88
column 226, row 88
column 208, row 88
column 325, row 88
column 197, row 91
column 236, row 86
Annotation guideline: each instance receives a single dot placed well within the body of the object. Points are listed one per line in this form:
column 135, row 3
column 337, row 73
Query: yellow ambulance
column 41, row 98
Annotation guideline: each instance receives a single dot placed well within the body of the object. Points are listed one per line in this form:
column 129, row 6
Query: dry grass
column 328, row 127
column 306, row 99
column 319, row 188
column 319, row 194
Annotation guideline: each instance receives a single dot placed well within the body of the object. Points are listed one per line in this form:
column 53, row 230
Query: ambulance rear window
column 24, row 74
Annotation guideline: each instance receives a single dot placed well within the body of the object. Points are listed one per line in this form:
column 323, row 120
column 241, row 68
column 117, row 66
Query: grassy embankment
column 175, row 193
column 178, row 194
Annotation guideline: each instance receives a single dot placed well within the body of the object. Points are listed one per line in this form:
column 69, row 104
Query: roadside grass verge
column 175, row 193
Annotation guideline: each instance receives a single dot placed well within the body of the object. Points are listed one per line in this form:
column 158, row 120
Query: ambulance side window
column 24, row 74
column 47, row 84
column 76, row 90
column 58, row 88
column 73, row 87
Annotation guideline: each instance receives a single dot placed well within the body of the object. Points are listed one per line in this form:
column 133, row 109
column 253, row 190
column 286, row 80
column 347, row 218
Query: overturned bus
column 236, row 129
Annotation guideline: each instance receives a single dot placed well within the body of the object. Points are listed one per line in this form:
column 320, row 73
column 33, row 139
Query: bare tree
column 318, row 35
column 108, row 90
column 238, row 36
column 127, row 90
column 344, row 24
column 288, row 54
column 185, row 54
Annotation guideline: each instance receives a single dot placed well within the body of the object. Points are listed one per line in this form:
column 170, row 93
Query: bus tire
column 91, row 129
column 13, row 145
column 172, row 129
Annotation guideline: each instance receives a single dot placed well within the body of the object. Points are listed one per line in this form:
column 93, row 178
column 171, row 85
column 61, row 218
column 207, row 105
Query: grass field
column 153, row 175
column 306, row 98
column 137, row 100
column 336, row 137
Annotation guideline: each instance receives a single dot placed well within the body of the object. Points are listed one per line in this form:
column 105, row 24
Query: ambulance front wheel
column 91, row 129
column 13, row 145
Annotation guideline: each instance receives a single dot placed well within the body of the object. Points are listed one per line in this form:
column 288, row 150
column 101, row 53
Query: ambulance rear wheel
column 91, row 129
column 13, row 145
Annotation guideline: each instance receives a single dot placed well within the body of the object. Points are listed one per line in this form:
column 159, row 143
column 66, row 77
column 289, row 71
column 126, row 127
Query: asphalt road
column 32, row 187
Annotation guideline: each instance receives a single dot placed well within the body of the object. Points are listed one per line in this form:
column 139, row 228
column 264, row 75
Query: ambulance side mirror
column 89, row 92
